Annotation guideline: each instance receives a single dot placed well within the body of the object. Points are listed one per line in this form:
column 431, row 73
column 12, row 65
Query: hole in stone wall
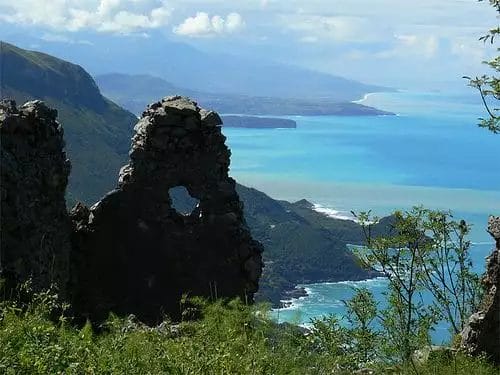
column 182, row 201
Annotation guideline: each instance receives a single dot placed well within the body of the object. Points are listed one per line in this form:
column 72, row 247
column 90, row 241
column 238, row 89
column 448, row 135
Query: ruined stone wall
column 134, row 253
column 34, row 224
column 482, row 333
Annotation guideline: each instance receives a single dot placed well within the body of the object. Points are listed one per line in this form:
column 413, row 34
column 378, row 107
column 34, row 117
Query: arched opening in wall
column 182, row 201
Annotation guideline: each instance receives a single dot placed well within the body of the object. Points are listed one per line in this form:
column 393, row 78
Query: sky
column 400, row 43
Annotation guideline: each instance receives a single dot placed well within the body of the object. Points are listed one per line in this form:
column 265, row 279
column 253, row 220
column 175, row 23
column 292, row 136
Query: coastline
column 364, row 98
column 303, row 291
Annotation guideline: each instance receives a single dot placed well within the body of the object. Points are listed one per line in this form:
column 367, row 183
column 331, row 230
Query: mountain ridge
column 134, row 92
column 209, row 71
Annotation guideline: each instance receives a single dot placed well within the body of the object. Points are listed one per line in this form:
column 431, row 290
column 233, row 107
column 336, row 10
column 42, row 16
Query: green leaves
column 229, row 338
column 488, row 86
column 427, row 253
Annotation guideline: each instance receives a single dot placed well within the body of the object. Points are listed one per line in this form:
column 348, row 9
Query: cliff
column 482, row 333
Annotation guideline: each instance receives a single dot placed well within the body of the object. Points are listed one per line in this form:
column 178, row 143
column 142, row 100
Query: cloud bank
column 202, row 25
column 113, row 16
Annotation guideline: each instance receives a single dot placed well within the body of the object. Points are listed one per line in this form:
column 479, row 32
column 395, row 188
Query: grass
column 228, row 338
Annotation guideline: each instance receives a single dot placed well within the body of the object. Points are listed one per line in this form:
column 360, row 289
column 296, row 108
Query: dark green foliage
column 301, row 245
column 361, row 315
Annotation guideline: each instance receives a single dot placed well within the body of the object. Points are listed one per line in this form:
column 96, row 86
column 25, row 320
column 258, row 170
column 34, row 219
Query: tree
column 406, row 322
column 361, row 314
column 447, row 267
column 489, row 85
column 426, row 253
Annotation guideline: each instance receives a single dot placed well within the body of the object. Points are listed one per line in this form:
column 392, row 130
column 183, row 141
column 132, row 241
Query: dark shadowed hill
column 97, row 130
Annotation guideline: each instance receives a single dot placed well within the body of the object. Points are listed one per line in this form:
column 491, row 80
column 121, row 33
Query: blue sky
column 402, row 43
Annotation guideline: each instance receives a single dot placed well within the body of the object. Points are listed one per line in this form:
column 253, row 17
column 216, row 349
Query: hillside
column 301, row 245
column 97, row 130
column 134, row 92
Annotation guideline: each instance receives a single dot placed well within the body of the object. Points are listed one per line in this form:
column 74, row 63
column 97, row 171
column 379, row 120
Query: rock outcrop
column 482, row 333
column 35, row 227
column 134, row 253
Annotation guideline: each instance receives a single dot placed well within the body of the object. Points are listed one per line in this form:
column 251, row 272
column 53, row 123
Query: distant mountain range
column 301, row 245
column 188, row 67
column 134, row 92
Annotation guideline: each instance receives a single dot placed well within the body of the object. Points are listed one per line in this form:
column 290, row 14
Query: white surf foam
column 330, row 212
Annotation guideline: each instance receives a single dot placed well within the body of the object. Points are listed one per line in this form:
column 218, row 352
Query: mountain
column 207, row 71
column 97, row 130
column 134, row 92
column 301, row 245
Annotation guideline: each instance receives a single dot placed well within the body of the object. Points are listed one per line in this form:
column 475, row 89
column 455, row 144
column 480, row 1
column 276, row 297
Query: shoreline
column 301, row 291
column 365, row 97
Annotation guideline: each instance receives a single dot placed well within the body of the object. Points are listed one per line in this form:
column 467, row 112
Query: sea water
column 431, row 153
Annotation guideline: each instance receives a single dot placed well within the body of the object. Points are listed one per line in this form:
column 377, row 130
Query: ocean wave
column 377, row 281
column 330, row 212
column 308, row 290
column 290, row 305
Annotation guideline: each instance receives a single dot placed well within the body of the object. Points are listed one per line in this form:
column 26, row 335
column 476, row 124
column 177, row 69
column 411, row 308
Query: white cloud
column 426, row 46
column 334, row 28
column 234, row 22
column 116, row 16
column 202, row 25
column 363, row 39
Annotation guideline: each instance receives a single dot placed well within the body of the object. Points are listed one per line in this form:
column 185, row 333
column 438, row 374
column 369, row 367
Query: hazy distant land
column 134, row 92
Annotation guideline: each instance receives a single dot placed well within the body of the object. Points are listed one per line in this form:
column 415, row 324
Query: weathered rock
column 422, row 356
column 135, row 254
column 35, row 227
column 482, row 333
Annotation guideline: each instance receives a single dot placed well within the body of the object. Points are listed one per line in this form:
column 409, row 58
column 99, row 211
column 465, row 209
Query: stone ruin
column 131, row 252
column 34, row 170
column 481, row 335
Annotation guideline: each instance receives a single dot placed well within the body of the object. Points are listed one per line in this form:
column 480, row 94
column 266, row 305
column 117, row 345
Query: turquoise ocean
column 431, row 153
